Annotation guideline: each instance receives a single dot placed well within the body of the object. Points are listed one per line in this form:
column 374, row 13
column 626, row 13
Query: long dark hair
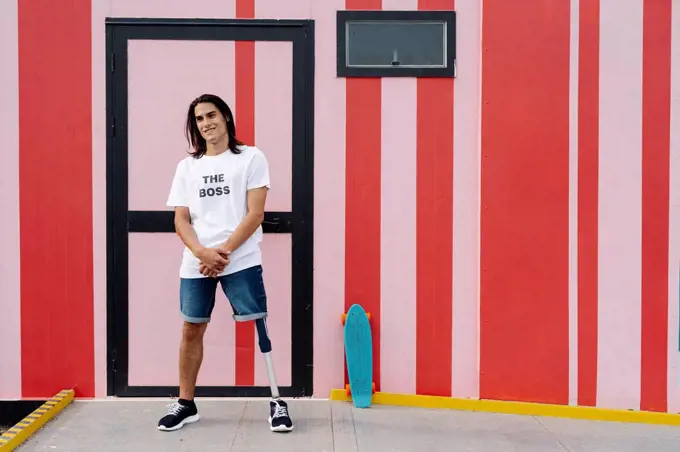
column 193, row 135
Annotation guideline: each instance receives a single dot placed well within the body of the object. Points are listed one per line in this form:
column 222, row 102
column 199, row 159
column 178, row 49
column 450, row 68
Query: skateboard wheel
column 344, row 317
column 348, row 391
column 373, row 388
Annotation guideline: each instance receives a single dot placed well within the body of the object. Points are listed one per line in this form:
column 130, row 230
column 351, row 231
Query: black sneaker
column 177, row 416
column 279, row 420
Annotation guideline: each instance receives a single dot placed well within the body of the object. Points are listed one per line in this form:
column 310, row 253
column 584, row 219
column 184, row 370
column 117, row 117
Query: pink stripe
column 171, row 8
column 573, row 204
column 398, row 229
column 618, row 375
column 329, row 202
column 273, row 121
column 674, row 239
column 398, row 236
column 399, row 5
column 273, row 135
column 99, row 13
column 10, row 301
column 466, row 157
column 290, row 9
column 276, row 258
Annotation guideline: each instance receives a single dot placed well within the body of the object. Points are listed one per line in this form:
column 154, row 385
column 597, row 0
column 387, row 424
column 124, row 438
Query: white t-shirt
column 214, row 189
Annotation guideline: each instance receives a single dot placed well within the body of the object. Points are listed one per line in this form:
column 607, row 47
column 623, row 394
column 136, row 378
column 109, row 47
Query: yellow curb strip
column 523, row 408
column 23, row 429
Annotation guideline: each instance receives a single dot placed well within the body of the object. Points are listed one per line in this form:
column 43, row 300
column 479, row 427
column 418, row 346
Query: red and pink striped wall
column 515, row 231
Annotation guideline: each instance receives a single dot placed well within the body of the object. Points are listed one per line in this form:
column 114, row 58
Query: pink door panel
column 273, row 113
column 161, row 84
column 163, row 78
column 155, row 324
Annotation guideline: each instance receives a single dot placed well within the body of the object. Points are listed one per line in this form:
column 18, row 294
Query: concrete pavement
column 324, row 426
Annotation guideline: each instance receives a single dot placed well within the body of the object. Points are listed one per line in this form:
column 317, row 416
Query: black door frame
column 121, row 221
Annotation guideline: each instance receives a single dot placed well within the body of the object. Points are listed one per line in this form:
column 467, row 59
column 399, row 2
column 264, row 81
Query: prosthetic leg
column 279, row 419
column 266, row 349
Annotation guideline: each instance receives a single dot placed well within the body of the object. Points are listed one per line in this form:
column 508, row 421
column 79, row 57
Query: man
column 219, row 194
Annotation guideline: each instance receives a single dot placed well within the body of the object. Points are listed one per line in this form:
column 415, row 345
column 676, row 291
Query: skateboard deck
column 359, row 356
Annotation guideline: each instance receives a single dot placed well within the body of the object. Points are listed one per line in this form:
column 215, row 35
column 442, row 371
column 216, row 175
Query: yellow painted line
column 23, row 429
column 523, row 408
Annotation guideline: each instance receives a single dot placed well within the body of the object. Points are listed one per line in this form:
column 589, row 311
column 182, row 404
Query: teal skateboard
column 359, row 356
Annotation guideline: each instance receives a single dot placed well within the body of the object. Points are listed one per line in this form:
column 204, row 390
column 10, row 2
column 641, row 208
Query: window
column 396, row 43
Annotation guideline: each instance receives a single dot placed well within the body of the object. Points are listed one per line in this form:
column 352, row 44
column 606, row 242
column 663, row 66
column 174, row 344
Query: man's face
column 210, row 121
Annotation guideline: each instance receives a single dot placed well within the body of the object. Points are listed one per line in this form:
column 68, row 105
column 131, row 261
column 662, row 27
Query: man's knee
column 193, row 332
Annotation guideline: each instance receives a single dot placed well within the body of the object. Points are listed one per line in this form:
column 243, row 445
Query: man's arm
column 185, row 230
column 256, row 200
column 211, row 257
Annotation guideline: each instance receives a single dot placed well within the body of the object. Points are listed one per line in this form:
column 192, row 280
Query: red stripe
column 525, row 201
column 588, row 137
column 245, row 9
column 434, row 235
column 55, row 179
column 656, row 97
column 362, row 216
column 244, row 355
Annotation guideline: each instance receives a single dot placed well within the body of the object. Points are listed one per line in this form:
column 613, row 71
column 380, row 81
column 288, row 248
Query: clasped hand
column 213, row 261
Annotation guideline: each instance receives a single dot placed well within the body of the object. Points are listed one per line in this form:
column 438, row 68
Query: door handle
column 278, row 224
column 274, row 223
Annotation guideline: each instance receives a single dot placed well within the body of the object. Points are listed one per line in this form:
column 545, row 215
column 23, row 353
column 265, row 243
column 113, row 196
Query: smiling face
column 210, row 122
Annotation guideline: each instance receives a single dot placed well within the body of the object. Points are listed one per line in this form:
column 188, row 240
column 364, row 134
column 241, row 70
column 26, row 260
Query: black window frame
column 344, row 16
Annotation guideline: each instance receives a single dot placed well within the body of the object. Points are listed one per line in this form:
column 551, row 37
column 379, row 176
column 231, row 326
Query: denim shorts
column 244, row 290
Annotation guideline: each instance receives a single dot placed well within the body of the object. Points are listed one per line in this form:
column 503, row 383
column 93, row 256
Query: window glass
column 396, row 43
